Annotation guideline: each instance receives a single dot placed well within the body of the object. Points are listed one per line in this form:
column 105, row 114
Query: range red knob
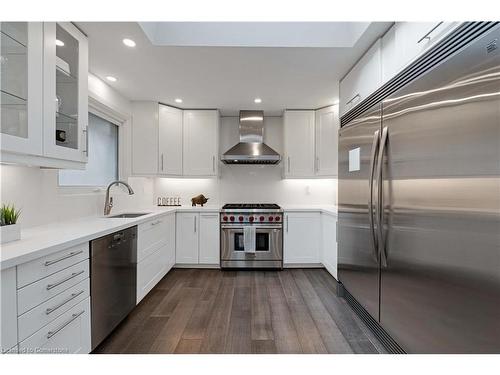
column 231, row 218
column 251, row 218
column 271, row 218
column 224, row 218
column 277, row 218
column 240, row 218
column 261, row 218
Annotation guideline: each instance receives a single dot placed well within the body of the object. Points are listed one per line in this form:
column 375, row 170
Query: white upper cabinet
column 21, row 46
column 362, row 80
column 390, row 60
column 413, row 38
column 200, row 142
column 299, row 143
column 311, row 139
column 402, row 44
column 327, row 127
column 65, row 92
column 170, row 141
column 144, row 138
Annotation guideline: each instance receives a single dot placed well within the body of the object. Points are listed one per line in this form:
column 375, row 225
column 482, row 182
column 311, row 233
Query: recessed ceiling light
column 257, row 100
column 59, row 43
column 111, row 79
column 178, row 100
column 129, row 42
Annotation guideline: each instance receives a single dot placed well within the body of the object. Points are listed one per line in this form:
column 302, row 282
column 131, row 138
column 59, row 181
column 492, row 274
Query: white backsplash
column 36, row 192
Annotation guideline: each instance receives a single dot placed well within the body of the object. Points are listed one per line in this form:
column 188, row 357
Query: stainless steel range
column 251, row 236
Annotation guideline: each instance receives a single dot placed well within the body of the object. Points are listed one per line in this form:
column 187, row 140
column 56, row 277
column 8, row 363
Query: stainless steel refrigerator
column 419, row 206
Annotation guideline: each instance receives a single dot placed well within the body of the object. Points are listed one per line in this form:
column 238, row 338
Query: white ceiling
column 228, row 78
column 254, row 34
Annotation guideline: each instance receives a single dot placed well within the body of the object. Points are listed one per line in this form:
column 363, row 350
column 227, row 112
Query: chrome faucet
column 108, row 202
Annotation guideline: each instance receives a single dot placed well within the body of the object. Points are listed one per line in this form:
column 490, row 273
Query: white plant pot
column 9, row 233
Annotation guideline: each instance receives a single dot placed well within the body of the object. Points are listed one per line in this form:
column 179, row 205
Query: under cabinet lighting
column 129, row 42
column 257, row 100
column 59, row 43
column 111, row 79
column 178, row 100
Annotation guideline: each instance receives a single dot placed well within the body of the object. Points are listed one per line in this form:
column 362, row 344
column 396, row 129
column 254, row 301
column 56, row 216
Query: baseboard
column 201, row 266
column 302, row 265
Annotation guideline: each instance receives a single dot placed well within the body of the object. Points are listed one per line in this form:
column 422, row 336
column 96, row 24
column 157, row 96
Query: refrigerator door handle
column 379, row 215
column 375, row 148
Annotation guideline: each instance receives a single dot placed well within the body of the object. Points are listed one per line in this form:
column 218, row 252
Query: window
column 102, row 165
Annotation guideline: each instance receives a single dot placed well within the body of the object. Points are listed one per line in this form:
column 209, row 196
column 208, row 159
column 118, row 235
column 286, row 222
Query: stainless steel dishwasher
column 113, row 270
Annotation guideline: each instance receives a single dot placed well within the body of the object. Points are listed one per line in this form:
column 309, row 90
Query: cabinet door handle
column 156, row 222
column 50, row 310
column 428, row 35
column 86, row 150
column 162, row 162
column 288, row 158
column 74, row 274
column 213, row 163
column 58, row 329
column 72, row 254
column 287, row 223
column 194, row 224
column 317, row 163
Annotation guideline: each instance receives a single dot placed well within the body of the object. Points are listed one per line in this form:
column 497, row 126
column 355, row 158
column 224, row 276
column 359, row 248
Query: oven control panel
column 253, row 218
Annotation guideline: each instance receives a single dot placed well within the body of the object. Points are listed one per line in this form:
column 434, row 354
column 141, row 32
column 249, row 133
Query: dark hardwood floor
column 213, row 311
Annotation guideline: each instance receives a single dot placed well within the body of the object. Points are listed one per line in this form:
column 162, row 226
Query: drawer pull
column 74, row 274
column 73, row 296
column 156, row 222
column 73, row 317
column 72, row 254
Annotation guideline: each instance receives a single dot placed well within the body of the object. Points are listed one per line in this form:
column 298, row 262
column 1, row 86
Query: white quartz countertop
column 42, row 240
column 327, row 209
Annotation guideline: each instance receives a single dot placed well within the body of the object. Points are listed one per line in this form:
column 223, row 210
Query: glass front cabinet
column 21, row 63
column 44, row 101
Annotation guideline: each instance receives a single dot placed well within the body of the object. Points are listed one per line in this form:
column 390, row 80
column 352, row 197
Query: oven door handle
column 257, row 227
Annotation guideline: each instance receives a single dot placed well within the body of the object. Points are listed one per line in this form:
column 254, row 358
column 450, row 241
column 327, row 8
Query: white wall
column 36, row 192
column 251, row 183
column 42, row 201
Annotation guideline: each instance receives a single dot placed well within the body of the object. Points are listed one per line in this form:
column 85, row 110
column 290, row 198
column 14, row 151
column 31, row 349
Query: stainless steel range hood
column 251, row 149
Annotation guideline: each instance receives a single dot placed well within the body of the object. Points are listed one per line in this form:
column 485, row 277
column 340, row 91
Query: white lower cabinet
column 50, row 298
column 302, row 238
column 43, row 314
column 197, row 238
column 67, row 334
column 155, row 252
column 186, row 238
column 209, row 251
column 8, row 323
column 150, row 271
column 329, row 243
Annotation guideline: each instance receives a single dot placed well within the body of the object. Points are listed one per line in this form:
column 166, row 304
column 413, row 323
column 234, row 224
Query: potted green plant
column 10, row 230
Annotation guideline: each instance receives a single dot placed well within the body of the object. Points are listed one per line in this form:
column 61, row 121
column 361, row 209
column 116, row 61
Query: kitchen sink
column 128, row 215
